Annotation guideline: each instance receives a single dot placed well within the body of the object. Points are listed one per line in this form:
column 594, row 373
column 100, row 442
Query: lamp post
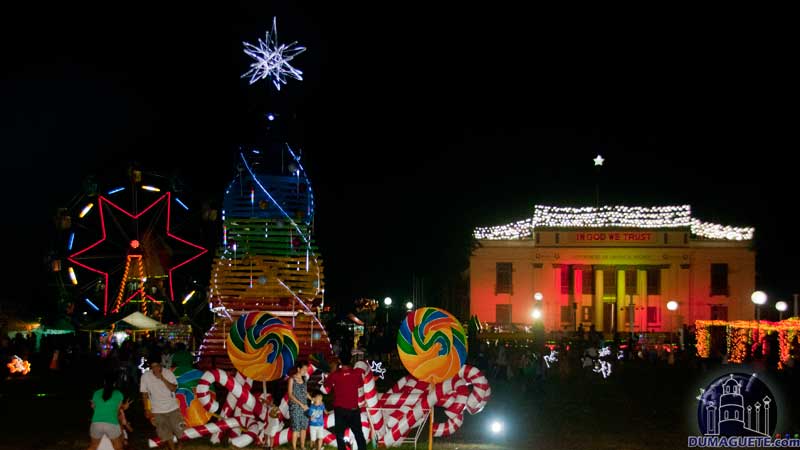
column 781, row 306
column 672, row 305
column 758, row 298
column 537, row 306
column 388, row 302
column 409, row 306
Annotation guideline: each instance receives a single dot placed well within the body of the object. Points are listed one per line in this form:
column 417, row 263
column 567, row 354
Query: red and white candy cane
column 232, row 406
column 410, row 397
column 250, row 410
column 201, row 431
column 407, row 401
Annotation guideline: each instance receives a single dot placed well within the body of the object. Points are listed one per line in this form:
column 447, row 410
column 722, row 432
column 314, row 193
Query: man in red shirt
column 345, row 383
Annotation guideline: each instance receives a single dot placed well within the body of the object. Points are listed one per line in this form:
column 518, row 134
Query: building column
column 555, row 302
column 622, row 303
column 598, row 300
column 641, row 281
column 577, row 296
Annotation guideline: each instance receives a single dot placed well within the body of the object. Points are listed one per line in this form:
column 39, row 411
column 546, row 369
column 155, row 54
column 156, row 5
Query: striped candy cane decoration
column 408, row 400
column 201, row 431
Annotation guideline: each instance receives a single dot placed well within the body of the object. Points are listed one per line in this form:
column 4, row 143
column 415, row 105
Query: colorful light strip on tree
column 613, row 217
column 738, row 336
column 115, row 190
column 151, row 188
column 72, row 276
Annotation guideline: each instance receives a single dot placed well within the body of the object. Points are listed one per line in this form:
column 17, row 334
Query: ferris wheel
column 122, row 246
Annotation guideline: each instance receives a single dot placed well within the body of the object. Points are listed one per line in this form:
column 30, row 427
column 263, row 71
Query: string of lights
column 741, row 332
column 613, row 217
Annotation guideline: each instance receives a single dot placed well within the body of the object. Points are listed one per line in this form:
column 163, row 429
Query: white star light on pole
column 599, row 160
column 272, row 59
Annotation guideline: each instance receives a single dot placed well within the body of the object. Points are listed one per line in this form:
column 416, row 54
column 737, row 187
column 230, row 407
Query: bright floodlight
column 409, row 306
column 538, row 296
column 537, row 313
column 496, row 427
column 781, row 306
column 387, row 301
column 672, row 305
column 759, row 297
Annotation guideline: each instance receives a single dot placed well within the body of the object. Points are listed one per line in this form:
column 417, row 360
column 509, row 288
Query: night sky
column 415, row 125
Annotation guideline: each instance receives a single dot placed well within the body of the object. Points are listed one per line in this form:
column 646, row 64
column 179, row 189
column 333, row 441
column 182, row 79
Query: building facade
column 615, row 267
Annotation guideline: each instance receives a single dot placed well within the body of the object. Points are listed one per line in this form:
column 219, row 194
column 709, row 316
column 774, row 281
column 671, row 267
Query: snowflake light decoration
column 551, row 358
column 272, row 59
column 143, row 365
column 377, row 368
column 602, row 366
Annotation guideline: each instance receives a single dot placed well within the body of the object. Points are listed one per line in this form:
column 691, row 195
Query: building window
column 719, row 279
column 610, row 282
column 566, row 313
column 567, row 280
column 631, row 286
column 502, row 313
column 503, row 284
column 653, row 281
column 719, row 312
column 586, row 313
column 588, row 282
column 653, row 314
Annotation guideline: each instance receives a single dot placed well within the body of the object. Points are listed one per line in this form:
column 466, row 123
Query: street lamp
column 672, row 305
column 781, row 306
column 538, row 296
column 536, row 313
column 758, row 298
column 409, row 306
column 388, row 302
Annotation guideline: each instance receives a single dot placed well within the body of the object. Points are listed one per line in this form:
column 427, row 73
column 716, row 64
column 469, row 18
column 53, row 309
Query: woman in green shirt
column 105, row 422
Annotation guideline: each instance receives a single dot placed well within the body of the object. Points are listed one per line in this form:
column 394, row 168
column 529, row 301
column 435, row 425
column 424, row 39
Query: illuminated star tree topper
column 272, row 59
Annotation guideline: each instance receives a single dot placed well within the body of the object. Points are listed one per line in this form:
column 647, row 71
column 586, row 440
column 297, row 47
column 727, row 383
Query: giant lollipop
column 262, row 347
column 432, row 344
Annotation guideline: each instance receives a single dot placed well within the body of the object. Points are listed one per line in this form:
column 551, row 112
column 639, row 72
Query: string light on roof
column 613, row 216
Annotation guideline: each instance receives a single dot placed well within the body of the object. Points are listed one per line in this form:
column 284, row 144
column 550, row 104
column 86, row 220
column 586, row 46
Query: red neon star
column 166, row 197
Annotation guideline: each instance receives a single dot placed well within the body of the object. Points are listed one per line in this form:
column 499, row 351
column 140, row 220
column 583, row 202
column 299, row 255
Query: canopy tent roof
column 135, row 321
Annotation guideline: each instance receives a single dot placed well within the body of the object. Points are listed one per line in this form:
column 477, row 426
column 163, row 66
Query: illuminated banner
column 610, row 238
column 615, row 236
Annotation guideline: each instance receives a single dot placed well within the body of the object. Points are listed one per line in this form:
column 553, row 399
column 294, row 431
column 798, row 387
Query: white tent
column 141, row 322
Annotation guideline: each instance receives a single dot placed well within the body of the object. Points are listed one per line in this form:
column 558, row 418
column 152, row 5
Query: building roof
column 630, row 217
